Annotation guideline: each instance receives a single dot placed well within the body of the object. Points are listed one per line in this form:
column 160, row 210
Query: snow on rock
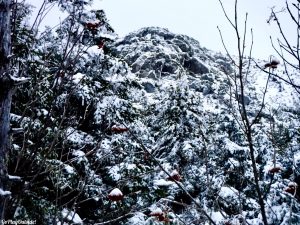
column 164, row 58
column 42, row 112
column 16, row 147
column 131, row 166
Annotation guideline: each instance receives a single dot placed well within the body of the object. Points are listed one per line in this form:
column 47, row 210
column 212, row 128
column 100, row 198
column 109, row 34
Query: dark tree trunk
column 6, row 89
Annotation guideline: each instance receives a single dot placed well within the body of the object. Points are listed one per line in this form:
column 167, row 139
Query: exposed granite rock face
column 195, row 66
column 156, row 52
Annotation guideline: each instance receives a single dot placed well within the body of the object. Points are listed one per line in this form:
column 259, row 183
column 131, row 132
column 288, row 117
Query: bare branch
column 115, row 219
column 228, row 54
column 284, row 36
column 245, row 33
column 281, row 55
column 227, row 17
column 291, row 14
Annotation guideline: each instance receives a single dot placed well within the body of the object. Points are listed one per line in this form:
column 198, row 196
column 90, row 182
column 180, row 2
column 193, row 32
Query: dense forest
column 148, row 129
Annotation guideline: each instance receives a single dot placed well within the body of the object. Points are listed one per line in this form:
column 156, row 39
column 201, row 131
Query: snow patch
column 114, row 172
column 116, row 192
column 137, row 219
column 10, row 177
column 71, row 217
column 4, row 193
column 69, row 169
column 77, row 78
column 162, row 182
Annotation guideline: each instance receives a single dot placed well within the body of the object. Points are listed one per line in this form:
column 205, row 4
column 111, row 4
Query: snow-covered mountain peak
column 156, row 52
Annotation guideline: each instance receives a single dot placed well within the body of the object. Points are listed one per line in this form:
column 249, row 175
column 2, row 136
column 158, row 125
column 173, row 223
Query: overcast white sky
column 196, row 18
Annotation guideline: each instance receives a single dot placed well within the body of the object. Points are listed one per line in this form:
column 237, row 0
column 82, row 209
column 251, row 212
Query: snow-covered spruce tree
column 176, row 122
column 181, row 130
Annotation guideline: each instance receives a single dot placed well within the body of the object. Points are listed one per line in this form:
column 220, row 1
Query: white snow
column 16, row 147
column 297, row 157
column 217, row 217
column 228, row 192
column 78, row 153
column 94, row 50
column 162, row 182
column 131, row 166
column 10, row 177
column 69, row 169
column 78, row 137
column 4, row 193
column 19, row 80
column 137, row 219
column 254, row 221
column 71, row 216
column 116, row 192
column 156, row 211
column 275, row 61
column 45, row 112
column 233, row 147
column 78, row 77
column 292, row 184
column 114, row 172
column 174, row 172
column 107, row 35
column 94, row 21
column 187, row 147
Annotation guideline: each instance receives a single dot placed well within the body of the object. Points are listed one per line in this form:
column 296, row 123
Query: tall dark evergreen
column 6, row 91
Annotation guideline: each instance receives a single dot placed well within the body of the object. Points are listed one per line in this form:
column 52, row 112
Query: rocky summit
column 164, row 53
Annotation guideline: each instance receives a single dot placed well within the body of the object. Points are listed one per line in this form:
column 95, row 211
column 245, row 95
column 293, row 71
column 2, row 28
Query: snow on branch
column 4, row 193
column 19, row 80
